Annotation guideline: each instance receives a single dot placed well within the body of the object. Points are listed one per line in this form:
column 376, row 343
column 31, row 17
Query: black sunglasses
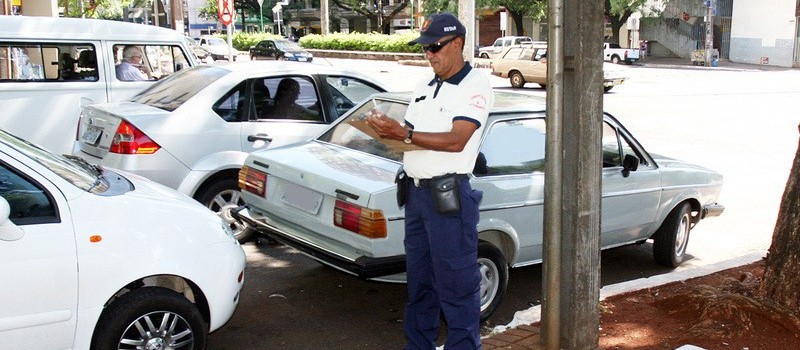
column 435, row 47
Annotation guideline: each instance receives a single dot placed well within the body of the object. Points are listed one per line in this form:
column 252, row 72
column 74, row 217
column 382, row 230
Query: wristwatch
column 408, row 137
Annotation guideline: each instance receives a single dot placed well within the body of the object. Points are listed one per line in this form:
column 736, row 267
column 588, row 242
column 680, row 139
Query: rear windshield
column 172, row 92
column 349, row 132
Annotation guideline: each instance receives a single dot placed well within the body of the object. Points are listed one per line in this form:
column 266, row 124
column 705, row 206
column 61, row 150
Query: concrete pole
column 324, row 17
column 466, row 14
column 710, row 4
column 579, row 142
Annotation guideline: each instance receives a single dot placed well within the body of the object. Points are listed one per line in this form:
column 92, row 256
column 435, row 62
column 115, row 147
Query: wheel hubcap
column 682, row 235
column 223, row 203
column 160, row 330
column 489, row 281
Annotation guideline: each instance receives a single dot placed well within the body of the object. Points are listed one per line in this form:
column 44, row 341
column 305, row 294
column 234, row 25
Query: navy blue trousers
column 442, row 270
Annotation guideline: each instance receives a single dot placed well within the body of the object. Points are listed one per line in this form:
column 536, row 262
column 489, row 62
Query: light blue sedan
column 333, row 198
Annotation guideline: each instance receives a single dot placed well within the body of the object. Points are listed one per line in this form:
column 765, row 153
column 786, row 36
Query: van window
column 159, row 60
column 47, row 62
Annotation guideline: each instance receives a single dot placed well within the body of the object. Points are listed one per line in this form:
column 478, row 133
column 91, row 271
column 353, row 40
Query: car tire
column 494, row 278
column 151, row 308
column 614, row 59
column 671, row 239
column 484, row 55
column 607, row 88
column 253, row 58
column 516, row 79
column 221, row 197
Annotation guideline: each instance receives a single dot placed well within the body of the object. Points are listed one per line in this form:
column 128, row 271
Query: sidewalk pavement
column 521, row 334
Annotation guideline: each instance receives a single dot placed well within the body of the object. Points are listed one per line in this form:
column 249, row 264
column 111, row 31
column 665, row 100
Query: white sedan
column 333, row 198
column 93, row 258
column 193, row 130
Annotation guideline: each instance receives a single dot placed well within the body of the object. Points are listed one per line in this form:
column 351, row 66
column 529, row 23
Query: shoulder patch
column 478, row 101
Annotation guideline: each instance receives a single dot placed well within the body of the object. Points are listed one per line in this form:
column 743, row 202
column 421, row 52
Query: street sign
column 225, row 11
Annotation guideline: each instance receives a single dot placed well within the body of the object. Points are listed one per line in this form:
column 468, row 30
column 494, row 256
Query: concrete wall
column 763, row 32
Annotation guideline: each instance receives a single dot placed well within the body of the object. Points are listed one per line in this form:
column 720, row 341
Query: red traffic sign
column 225, row 11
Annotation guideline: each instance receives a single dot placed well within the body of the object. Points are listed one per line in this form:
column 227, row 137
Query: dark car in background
column 279, row 49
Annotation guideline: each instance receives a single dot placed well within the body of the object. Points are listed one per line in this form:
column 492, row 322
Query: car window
column 498, row 43
column 526, row 55
column 172, row 92
column 29, row 202
column 48, row 62
column 160, row 60
column 513, row 53
column 232, row 106
column 346, row 92
column 611, row 149
column 294, row 98
column 346, row 133
column 512, row 147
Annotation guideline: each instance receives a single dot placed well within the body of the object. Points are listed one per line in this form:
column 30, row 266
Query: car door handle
column 259, row 137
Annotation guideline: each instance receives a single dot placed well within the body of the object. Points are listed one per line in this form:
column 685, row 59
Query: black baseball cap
column 437, row 26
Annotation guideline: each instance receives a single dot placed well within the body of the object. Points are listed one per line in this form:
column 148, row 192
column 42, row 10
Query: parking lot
column 741, row 122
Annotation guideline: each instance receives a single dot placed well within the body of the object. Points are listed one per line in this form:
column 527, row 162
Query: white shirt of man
column 127, row 71
column 435, row 105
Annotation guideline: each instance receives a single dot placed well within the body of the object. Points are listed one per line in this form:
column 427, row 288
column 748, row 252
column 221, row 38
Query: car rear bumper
column 364, row 266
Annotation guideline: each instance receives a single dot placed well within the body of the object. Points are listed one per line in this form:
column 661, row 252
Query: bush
column 362, row 42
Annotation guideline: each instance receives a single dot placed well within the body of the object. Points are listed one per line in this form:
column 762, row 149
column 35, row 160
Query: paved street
column 742, row 123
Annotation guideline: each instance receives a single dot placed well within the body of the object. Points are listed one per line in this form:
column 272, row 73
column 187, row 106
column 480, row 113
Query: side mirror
column 8, row 230
column 629, row 163
column 178, row 66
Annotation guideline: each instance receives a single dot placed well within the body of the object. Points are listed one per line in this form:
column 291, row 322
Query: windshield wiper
column 97, row 169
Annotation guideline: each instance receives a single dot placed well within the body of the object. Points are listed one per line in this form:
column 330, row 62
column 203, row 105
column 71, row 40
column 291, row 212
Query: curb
column 533, row 315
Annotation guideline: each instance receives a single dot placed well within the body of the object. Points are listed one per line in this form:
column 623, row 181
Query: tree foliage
column 518, row 9
column 372, row 10
column 617, row 12
column 105, row 9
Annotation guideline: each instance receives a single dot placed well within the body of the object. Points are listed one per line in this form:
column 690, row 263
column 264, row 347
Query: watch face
column 407, row 140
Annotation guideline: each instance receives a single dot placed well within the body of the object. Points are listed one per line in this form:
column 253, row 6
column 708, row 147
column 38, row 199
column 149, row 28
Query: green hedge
column 336, row 41
column 362, row 42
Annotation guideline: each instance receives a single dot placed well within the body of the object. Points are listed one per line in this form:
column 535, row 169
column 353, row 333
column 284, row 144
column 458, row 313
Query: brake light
column 130, row 140
column 253, row 181
column 363, row 221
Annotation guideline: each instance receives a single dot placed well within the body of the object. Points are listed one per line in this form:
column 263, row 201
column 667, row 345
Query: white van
column 50, row 66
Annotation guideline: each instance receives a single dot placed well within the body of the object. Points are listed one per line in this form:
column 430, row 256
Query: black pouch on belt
column 402, row 187
column 445, row 193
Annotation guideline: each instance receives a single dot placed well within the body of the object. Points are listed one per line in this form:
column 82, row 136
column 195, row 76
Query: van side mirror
column 629, row 163
column 8, row 230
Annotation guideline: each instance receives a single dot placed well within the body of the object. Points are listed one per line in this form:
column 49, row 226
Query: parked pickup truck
column 615, row 54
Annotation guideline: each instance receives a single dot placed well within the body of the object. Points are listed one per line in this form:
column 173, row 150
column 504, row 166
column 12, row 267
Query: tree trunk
column 519, row 26
column 782, row 272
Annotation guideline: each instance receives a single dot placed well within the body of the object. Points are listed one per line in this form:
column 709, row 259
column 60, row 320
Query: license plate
column 302, row 198
column 301, row 59
column 91, row 135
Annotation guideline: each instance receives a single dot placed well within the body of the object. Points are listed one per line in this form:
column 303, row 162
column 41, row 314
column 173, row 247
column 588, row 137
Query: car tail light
column 366, row 222
column 253, row 181
column 130, row 140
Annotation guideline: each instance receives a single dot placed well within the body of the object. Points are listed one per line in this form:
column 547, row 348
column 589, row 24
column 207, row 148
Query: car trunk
column 304, row 184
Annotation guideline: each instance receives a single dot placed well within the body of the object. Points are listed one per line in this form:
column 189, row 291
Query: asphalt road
column 740, row 122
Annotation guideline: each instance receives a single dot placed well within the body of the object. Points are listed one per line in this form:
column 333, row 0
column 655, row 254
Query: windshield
column 216, row 41
column 287, row 45
column 347, row 132
column 172, row 92
column 73, row 169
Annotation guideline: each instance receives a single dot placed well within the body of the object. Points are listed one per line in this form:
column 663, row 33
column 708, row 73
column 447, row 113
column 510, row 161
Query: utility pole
column 570, row 308
column 709, row 47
